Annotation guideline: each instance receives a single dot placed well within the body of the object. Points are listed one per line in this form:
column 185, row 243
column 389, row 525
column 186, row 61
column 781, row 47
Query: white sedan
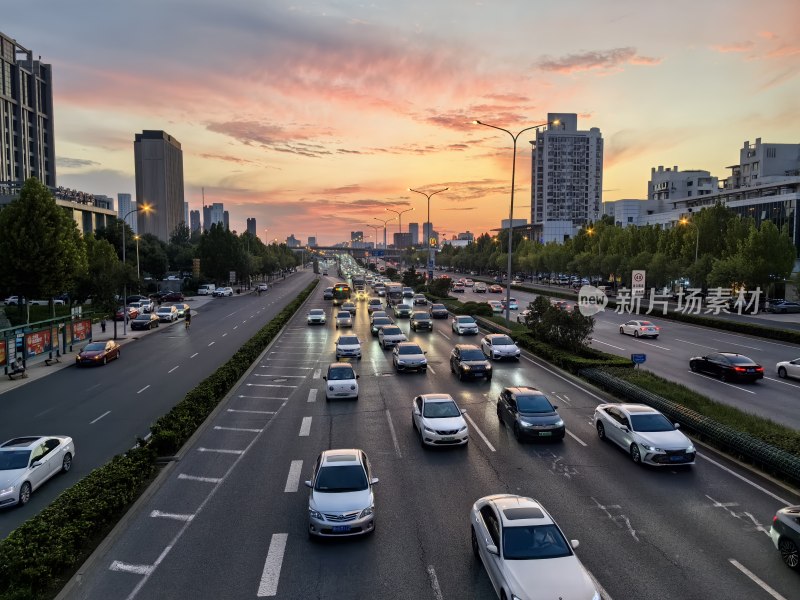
column 389, row 335
column 499, row 345
column 524, row 551
column 788, row 368
column 640, row 329
column 27, row 462
column 497, row 306
column 316, row 316
column 348, row 346
column 643, row 432
column 439, row 421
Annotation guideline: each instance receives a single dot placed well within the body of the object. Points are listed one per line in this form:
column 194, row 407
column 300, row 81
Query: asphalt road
column 106, row 408
column 229, row 520
column 668, row 356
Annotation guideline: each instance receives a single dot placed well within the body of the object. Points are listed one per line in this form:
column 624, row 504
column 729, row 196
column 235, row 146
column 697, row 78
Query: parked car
column 421, row 320
column 784, row 307
column 206, row 289
column 409, row 356
column 525, row 552
column 389, row 335
column 327, row 293
column 467, row 360
column 146, row 305
column 439, row 421
column 98, row 353
column 643, row 432
column 438, row 311
column 495, row 289
column 167, row 313
column 344, row 318
column 223, row 291
column 640, row 329
column 785, row 534
column 348, row 346
column 341, row 501
column 462, row 324
column 379, row 322
column 402, row 311
column 788, row 368
column 420, row 300
column 498, row 345
column 530, row 414
column 26, row 463
column 316, row 316
column 728, row 366
column 341, row 381
column 262, row 287
column 145, row 321
column 182, row 309
column 119, row 315
column 374, row 304
column 173, row 297
column 479, row 287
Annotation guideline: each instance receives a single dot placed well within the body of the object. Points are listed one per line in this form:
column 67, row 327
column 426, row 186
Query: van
column 206, row 289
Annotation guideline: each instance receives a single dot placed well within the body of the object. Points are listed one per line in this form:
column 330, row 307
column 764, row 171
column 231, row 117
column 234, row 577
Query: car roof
column 523, row 389
column 467, row 347
column 344, row 456
column 497, row 335
column 520, row 511
column 334, row 365
column 633, row 409
column 402, row 344
column 436, row 397
column 22, row 443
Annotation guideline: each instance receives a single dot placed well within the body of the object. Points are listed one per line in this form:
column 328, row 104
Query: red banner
column 37, row 342
column 3, row 353
column 81, row 330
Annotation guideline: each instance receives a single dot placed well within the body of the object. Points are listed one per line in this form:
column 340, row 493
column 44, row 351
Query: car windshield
column 441, row 410
column 328, row 289
column 94, row 347
column 391, row 330
column 317, row 312
column 422, row 317
column 472, row 354
column 14, row 459
column 438, row 307
column 340, row 373
column 502, row 340
column 466, row 320
column 382, row 321
column 349, row 340
column 740, row 360
column 343, row 315
column 142, row 317
column 533, row 542
column 341, row 478
column 409, row 350
column 534, row 404
column 165, row 309
column 651, row 422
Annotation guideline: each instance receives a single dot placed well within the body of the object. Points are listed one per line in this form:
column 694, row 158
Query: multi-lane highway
column 229, row 519
column 668, row 356
column 104, row 409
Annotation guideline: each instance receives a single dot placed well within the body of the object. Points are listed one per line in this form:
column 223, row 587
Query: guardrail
column 727, row 438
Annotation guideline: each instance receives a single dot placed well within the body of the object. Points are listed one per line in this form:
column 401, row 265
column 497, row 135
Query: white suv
column 341, row 381
column 464, row 324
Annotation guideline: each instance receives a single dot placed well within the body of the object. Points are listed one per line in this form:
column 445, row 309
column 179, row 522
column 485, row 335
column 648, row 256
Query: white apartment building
column 666, row 184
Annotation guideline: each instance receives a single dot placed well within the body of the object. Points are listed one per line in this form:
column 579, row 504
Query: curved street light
column 511, row 207
column 146, row 208
column 384, row 221
column 399, row 214
column 428, row 241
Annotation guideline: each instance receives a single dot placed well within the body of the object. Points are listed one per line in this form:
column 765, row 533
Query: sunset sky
column 315, row 116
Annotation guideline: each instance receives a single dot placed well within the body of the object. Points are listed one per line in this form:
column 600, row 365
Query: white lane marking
column 756, row 580
column 745, row 479
column 253, row 412
column 616, row 518
column 312, row 395
column 220, row 450
column 603, row 593
column 480, row 433
column 693, row 344
column 293, row 479
column 212, row 343
column 201, row 479
column 317, row 374
column 272, row 567
column 305, row 427
column 732, row 344
column 444, row 335
column 265, row 397
column 736, row 387
column 394, row 435
column 224, row 334
column 143, row 389
column 284, row 367
column 100, row 417
column 245, row 429
column 437, row 591
column 576, row 438
column 572, row 383
column 596, row 341
column 236, row 327
column 783, row 382
column 122, row 567
column 297, row 353
column 280, row 385
column 172, row 369
column 193, row 355
column 653, row 345
column 174, row 516
column 430, row 368
column 280, row 376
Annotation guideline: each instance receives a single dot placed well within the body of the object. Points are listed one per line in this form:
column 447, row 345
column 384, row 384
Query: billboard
column 81, row 330
column 37, row 342
column 3, row 353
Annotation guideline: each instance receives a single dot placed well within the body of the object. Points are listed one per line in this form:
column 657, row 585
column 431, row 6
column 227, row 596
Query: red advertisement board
column 37, row 342
column 81, row 330
column 3, row 353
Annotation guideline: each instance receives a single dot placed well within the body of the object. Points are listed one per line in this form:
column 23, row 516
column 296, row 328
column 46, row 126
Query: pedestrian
column 103, row 324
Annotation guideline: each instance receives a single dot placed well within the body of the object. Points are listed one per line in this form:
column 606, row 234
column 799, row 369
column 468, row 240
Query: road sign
column 378, row 252
column 637, row 283
column 638, row 359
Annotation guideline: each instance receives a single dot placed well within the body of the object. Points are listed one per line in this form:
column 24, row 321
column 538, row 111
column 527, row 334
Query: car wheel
column 460, row 375
column 782, row 373
column 601, row 431
column 789, row 553
column 723, row 377
column 517, row 433
column 636, row 456
column 413, row 423
column 621, row 331
column 692, row 366
column 475, row 549
column 499, row 415
column 24, row 493
column 66, row 464
column 636, row 334
column 105, row 360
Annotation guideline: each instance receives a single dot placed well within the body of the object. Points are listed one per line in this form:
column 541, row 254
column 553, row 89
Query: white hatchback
column 497, row 346
column 341, row 381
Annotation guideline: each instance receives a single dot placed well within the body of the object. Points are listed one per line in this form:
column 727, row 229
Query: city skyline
column 366, row 101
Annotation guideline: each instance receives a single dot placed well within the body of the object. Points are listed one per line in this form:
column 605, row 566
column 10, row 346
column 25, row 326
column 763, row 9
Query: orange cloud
column 595, row 60
column 734, row 47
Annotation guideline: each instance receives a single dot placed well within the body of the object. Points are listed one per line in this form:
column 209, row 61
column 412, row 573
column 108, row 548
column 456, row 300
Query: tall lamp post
column 399, row 214
column 511, row 207
column 384, row 221
column 137, row 238
column 685, row 221
column 375, row 227
column 430, row 228
column 146, row 208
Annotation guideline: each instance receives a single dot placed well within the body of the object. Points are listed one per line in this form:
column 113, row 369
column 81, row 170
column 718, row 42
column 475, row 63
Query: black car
column 728, row 366
column 145, row 321
column 172, row 297
column 379, row 322
column 438, row 311
column 467, row 360
column 327, row 294
column 421, row 320
column 784, row 307
column 530, row 414
column 785, row 534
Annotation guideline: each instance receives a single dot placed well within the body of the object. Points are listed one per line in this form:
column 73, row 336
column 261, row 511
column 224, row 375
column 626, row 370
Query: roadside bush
column 571, row 361
column 476, row 309
column 568, row 330
column 440, row 287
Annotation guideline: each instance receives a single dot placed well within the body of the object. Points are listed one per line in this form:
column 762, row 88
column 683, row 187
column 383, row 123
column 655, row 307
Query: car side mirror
column 325, row 377
column 625, row 428
column 492, row 549
column 463, row 411
column 358, row 376
column 676, row 425
column 308, row 483
column 36, row 463
column 574, row 543
column 555, row 406
column 374, row 480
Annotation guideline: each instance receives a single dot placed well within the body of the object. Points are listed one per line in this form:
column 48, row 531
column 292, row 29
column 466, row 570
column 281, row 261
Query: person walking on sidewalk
column 187, row 318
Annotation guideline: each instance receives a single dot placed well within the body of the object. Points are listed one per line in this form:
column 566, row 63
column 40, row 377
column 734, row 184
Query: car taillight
column 774, row 519
column 759, row 369
column 740, row 369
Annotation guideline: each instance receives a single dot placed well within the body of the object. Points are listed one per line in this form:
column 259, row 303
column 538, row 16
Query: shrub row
column 40, row 555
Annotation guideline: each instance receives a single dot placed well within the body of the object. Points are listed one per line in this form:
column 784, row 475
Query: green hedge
column 38, row 557
column 567, row 360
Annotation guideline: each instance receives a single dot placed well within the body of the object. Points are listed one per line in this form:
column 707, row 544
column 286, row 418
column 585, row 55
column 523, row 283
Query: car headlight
column 464, row 428
column 559, row 423
column 526, row 424
column 401, row 362
column 689, row 449
column 488, row 367
column 651, row 448
column 428, row 429
column 8, row 490
column 315, row 514
column 467, row 367
column 366, row 512
column 330, row 388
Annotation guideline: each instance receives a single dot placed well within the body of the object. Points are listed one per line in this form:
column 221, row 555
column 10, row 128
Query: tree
column 104, row 276
column 413, row 279
column 42, row 250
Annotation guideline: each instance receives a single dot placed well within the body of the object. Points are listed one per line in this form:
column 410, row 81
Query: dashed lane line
column 193, row 355
column 252, row 412
column 220, row 450
column 762, row 584
column 293, row 479
column 394, row 435
column 437, row 591
column 576, row 438
column 172, row 369
column 143, row 389
column 305, row 427
column 244, row 429
column 100, row 417
column 272, row 566
column 173, row 516
column 480, row 433
column 312, row 395
column 186, row 477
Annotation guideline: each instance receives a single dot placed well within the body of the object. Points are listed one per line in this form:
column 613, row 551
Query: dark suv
column 467, row 360
column 421, row 320
column 530, row 414
column 327, row 294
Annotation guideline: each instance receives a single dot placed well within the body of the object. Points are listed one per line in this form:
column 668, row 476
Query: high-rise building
column 356, row 239
column 467, row 235
column 666, row 184
column 763, row 163
column 159, row 182
column 226, row 220
column 213, row 213
column 567, row 178
column 413, row 229
column 194, row 217
column 27, row 140
column 251, row 226
column 427, row 231
column 125, row 205
column 402, row 240
column 186, row 213
column 312, row 242
column 292, row 242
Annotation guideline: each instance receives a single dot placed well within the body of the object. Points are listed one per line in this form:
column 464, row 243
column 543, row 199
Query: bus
column 341, row 293
column 394, row 293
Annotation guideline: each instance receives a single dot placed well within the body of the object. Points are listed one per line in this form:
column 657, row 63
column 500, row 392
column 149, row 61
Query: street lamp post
column 146, row 208
column 428, row 241
column 384, row 221
column 137, row 237
column 511, row 207
column 399, row 214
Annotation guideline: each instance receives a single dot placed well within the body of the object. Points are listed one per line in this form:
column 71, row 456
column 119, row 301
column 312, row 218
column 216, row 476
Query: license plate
column 676, row 458
column 448, row 438
column 341, row 528
column 751, row 370
column 541, row 433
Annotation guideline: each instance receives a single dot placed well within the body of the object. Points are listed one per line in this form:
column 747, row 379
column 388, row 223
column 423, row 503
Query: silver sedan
column 344, row 318
column 27, row 462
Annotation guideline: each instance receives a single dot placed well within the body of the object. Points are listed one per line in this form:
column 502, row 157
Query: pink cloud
column 734, row 47
column 595, row 60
